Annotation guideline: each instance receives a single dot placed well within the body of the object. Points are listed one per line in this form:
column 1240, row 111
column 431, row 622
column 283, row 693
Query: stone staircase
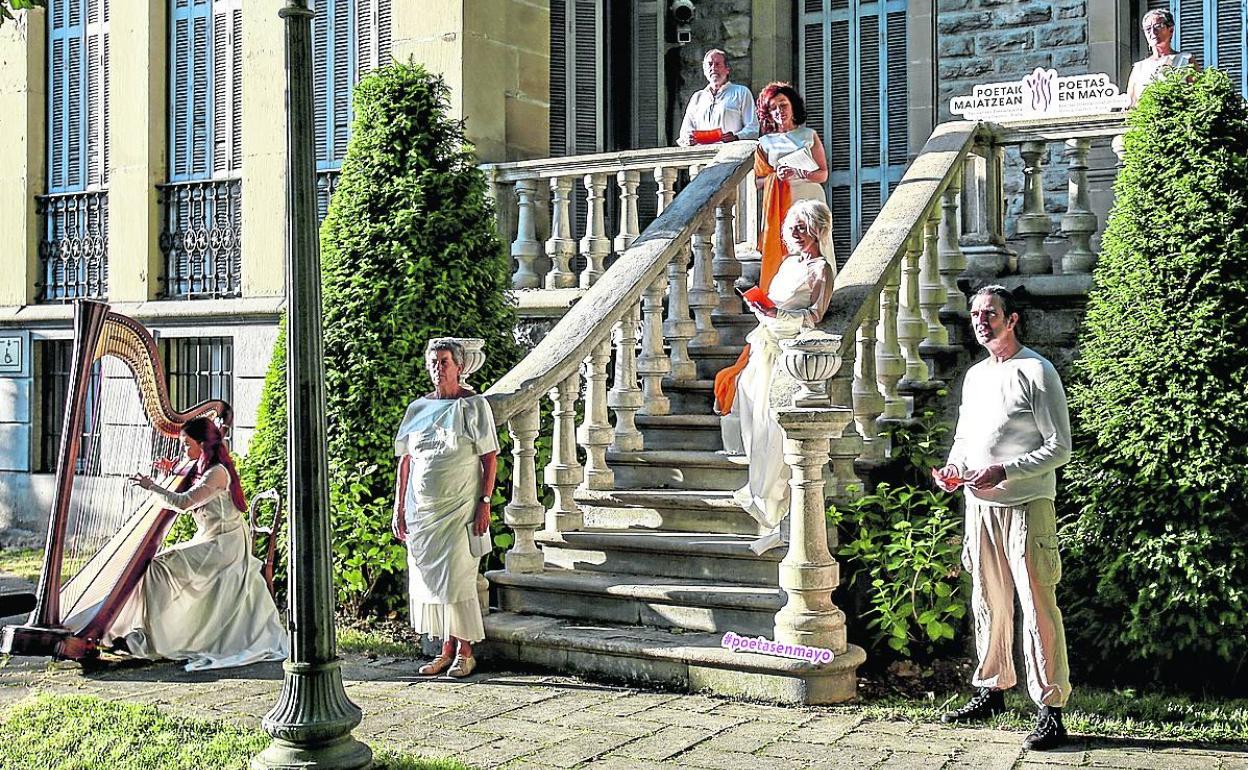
column 641, row 564
column 662, row 567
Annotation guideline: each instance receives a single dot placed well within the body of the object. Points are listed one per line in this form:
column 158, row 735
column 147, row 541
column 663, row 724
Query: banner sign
column 1042, row 94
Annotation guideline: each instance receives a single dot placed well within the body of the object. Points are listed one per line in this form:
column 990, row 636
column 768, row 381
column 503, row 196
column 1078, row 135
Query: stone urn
column 811, row 359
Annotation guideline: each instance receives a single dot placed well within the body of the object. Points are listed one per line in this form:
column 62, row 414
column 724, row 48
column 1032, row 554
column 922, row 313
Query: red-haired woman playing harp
column 203, row 601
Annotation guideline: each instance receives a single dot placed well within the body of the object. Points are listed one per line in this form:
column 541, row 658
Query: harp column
column 312, row 721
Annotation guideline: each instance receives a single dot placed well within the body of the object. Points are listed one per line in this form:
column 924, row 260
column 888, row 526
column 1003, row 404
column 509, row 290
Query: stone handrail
column 554, row 210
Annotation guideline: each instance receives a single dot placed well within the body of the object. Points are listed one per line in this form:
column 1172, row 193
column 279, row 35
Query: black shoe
column 984, row 704
column 1049, row 733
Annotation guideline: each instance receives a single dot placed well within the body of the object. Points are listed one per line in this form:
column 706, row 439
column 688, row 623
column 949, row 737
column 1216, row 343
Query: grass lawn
column 1109, row 713
column 23, row 562
column 74, row 732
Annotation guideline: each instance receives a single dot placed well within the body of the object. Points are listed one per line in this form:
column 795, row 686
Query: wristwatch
column 485, row 499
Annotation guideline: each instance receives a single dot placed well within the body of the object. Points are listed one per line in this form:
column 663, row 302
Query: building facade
column 145, row 139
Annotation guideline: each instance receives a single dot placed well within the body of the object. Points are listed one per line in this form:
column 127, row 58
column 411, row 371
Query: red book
column 759, row 297
column 708, row 136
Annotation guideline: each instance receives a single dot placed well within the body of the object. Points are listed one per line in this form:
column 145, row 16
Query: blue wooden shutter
column 190, row 76
column 1213, row 32
column 853, row 65
column 558, row 78
column 96, row 107
column 67, row 96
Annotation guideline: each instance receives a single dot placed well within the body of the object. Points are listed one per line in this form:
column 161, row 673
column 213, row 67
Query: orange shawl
column 777, row 198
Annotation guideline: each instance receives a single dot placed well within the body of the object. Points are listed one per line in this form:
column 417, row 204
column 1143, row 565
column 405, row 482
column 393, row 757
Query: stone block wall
column 981, row 41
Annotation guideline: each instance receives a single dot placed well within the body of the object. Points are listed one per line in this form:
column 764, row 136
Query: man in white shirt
column 1013, row 433
column 722, row 105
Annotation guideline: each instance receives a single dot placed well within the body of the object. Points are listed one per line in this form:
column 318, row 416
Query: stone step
column 681, row 431
column 691, row 662
column 679, row 555
column 670, row 510
column 733, row 329
column 690, row 396
column 695, row 605
column 678, row 469
column 711, row 358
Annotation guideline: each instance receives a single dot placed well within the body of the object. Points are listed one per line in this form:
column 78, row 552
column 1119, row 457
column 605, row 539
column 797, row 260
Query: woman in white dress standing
column 203, row 601
column 800, row 292
column 1158, row 28
column 448, row 454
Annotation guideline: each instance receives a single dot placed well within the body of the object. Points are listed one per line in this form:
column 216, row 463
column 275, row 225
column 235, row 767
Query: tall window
column 205, row 89
column 73, row 245
column 853, row 77
column 350, row 38
column 198, row 369
column 1213, row 32
column 53, row 366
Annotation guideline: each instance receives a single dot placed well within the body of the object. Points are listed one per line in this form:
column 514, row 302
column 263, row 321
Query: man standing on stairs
column 1013, row 433
column 721, row 112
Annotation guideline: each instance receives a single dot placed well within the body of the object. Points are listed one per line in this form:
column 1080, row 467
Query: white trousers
column 1012, row 550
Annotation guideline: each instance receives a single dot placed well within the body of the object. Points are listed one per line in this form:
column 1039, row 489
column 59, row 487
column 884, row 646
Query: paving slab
column 520, row 721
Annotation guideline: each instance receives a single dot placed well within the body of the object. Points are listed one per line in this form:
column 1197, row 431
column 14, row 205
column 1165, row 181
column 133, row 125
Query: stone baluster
column 595, row 433
column 560, row 247
column 702, row 297
column 628, row 182
column 725, row 268
column 1034, row 225
column 952, row 260
column 595, row 245
column 524, row 513
column 564, row 473
column 932, row 294
column 625, row 397
column 652, row 364
column 525, row 249
column 868, row 401
column 911, row 328
column 1079, row 222
column 890, row 364
column 747, row 219
column 808, row 573
column 679, row 327
column 847, row 447
column 987, row 254
column 665, row 177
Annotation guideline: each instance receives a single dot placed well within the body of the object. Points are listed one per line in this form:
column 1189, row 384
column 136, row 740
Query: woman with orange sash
column 796, row 300
column 789, row 165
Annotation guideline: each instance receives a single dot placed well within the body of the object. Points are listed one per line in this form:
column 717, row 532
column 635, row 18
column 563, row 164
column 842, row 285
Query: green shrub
column 408, row 252
column 901, row 549
column 1156, row 537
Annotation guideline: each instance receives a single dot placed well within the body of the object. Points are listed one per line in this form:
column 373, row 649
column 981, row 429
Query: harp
column 102, row 531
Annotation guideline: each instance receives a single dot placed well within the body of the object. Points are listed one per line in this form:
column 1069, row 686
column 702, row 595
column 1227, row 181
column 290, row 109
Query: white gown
column 204, row 601
column 778, row 145
column 801, row 291
column 444, row 439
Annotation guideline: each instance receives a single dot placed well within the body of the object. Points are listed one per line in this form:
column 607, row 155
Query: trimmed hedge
column 408, row 252
column 1157, row 537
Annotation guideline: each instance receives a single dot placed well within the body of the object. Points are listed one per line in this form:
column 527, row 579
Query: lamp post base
column 311, row 723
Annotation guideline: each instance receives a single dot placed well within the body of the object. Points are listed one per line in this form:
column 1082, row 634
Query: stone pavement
column 530, row 721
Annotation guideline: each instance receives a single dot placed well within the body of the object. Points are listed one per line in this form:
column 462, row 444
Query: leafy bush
column 902, row 546
column 1156, row 538
column 408, row 252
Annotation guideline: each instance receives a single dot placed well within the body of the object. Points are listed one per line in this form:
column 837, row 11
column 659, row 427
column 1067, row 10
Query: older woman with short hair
column 1158, row 27
column 799, row 293
column 447, row 447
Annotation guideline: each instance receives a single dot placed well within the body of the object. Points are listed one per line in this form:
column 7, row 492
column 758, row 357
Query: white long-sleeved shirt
column 731, row 110
column 1014, row 414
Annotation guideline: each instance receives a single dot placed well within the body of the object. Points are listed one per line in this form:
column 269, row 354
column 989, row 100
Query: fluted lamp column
column 312, row 721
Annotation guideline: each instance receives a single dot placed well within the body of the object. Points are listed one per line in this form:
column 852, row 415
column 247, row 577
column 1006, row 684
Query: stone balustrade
column 631, row 331
column 543, row 206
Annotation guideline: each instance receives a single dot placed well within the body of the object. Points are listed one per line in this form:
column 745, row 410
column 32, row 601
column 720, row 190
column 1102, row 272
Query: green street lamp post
column 312, row 721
